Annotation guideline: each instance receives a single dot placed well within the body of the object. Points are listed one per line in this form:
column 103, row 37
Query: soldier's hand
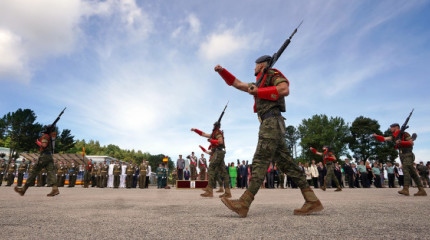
column 218, row 68
column 253, row 90
column 398, row 141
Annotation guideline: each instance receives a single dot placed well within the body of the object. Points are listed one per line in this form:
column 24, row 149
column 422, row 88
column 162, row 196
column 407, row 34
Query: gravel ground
column 79, row 213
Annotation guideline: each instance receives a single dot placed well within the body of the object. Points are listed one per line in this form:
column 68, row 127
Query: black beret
column 262, row 59
column 395, row 125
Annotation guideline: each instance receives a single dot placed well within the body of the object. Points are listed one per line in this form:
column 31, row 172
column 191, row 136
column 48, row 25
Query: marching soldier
column 202, row 167
column 11, row 173
column 45, row 161
column 104, row 175
column 2, row 170
column 407, row 157
column 142, row 175
column 21, row 171
column 217, row 166
column 116, row 175
column 129, row 178
column 269, row 95
column 424, row 174
column 73, row 173
column 329, row 160
column 193, row 166
column 87, row 174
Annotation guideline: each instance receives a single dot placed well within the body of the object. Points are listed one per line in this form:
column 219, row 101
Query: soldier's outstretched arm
column 315, row 151
column 382, row 138
column 230, row 79
column 201, row 133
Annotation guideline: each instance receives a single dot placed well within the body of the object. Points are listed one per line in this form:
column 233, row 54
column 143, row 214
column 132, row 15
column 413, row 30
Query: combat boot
column 205, row 188
column 209, row 193
column 240, row 206
column 227, row 193
column 338, row 189
column 421, row 192
column 221, row 189
column 324, row 187
column 21, row 191
column 312, row 203
column 53, row 192
column 404, row 191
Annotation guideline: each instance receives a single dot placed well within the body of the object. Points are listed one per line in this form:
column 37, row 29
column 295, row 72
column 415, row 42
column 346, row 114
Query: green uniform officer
column 11, row 173
column 269, row 93
column 116, row 174
column 407, row 157
column 142, row 174
column 73, row 173
column 104, row 175
column 129, row 178
column 159, row 172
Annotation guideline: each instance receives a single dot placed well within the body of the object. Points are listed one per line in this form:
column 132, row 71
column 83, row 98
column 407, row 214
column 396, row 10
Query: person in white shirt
column 123, row 175
column 314, row 174
column 110, row 173
column 308, row 173
column 148, row 174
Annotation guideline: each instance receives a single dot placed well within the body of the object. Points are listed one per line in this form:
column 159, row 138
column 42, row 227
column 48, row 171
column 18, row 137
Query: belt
column 47, row 153
column 217, row 149
column 408, row 150
column 269, row 114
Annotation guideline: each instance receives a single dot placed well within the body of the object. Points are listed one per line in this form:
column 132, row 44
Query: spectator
column 180, row 166
column 187, row 174
column 355, row 176
column 233, row 175
column 338, row 174
column 244, row 174
column 276, row 176
column 314, row 174
column 369, row 173
column 381, row 169
column 362, row 172
column 270, row 176
column 308, row 174
column 349, row 173
column 399, row 174
column 239, row 177
column 376, row 175
column 321, row 172
column 148, row 174
column 390, row 174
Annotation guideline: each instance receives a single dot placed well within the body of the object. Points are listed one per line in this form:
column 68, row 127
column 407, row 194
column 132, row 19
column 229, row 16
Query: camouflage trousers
column 193, row 172
column 271, row 147
column 217, row 169
column 45, row 161
column 330, row 175
column 407, row 160
column 202, row 173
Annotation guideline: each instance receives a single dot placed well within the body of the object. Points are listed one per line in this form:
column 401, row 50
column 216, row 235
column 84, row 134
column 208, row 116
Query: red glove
column 203, row 149
column 314, row 150
column 227, row 76
column 269, row 93
column 214, row 142
column 198, row 132
column 38, row 143
column 380, row 138
column 405, row 144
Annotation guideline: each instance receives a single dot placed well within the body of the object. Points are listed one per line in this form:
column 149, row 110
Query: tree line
column 19, row 131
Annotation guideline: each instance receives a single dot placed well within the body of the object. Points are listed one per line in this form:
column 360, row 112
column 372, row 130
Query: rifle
column 50, row 128
column 276, row 55
column 217, row 124
column 404, row 127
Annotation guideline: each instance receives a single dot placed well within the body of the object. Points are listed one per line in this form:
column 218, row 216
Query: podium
column 190, row 184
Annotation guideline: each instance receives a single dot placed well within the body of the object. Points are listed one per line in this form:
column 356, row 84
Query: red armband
column 269, row 93
column 214, row 142
column 405, row 144
column 330, row 158
column 380, row 138
column 198, row 132
column 203, row 149
column 38, row 143
column 227, row 76
column 314, row 150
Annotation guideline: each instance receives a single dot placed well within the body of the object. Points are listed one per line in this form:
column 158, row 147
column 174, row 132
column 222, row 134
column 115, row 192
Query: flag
column 165, row 160
column 83, row 151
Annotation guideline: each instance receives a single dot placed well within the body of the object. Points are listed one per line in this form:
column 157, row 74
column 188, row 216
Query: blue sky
column 139, row 74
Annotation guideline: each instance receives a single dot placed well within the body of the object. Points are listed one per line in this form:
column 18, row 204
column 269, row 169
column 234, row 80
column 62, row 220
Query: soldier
column 193, row 166
column 45, row 161
column 407, row 157
column 61, row 174
column 165, row 176
column 11, row 173
column 116, row 175
column 104, row 175
column 2, row 170
column 159, row 176
column 99, row 175
column 202, row 167
column 94, row 175
column 129, row 178
column 174, row 177
column 269, row 98
column 217, row 166
column 21, row 171
column 73, row 173
column 424, row 174
column 329, row 160
column 142, row 175
column 31, row 165
column 87, row 174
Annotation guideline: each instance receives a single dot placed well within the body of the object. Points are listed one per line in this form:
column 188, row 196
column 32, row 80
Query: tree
column 319, row 130
column 362, row 143
column 291, row 137
column 64, row 141
column 386, row 152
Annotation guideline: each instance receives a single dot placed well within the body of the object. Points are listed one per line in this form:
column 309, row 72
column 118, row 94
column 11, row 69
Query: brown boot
column 205, row 188
column 404, row 191
column 227, row 193
column 338, row 189
column 421, row 192
column 240, row 206
column 53, row 192
column 208, row 193
column 220, row 190
column 312, row 203
column 21, row 191
column 323, row 187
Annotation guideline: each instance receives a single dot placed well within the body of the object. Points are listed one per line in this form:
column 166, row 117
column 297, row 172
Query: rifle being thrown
column 404, row 127
column 51, row 128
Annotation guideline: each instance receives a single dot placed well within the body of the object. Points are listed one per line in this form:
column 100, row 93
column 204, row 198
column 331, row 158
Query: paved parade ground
column 94, row 213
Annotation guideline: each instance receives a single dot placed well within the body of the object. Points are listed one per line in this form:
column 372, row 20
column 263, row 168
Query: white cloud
column 224, row 43
column 12, row 60
column 194, row 23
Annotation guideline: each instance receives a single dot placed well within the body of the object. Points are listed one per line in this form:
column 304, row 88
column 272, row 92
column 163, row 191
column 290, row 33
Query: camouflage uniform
column 202, row 167
column 87, row 174
column 11, row 174
column 116, row 175
column 142, row 175
column 21, row 171
column 2, row 170
column 330, row 171
column 129, row 179
column 424, row 174
column 94, row 175
column 217, row 166
column 407, row 159
column 30, row 168
column 73, row 171
column 104, row 175
column 193, row 167
column 61, row 175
